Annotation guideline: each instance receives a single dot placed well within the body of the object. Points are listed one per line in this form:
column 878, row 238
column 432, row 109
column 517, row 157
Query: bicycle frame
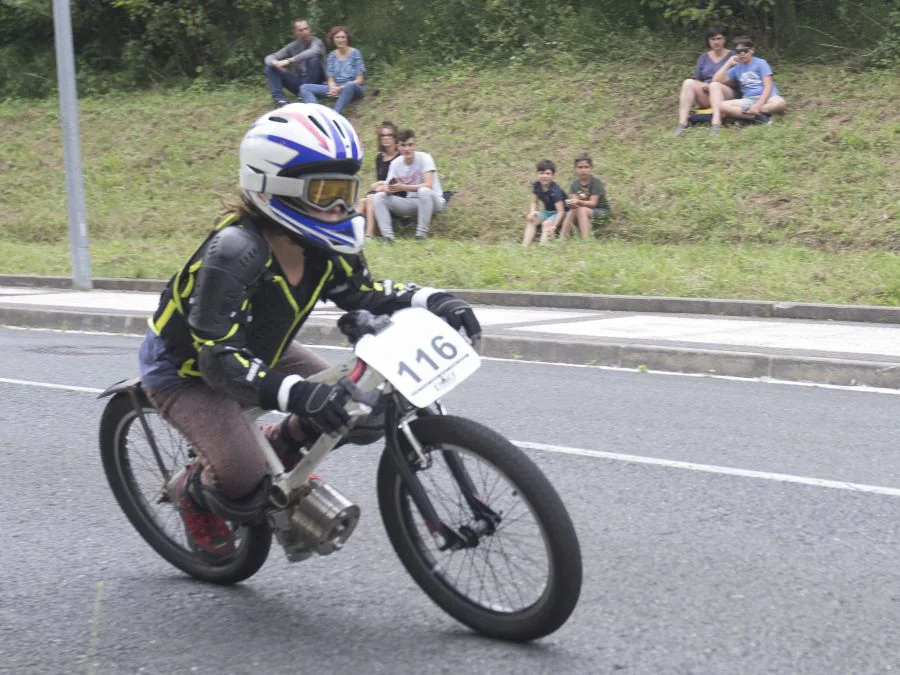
column 364, row 381
column 286, row 484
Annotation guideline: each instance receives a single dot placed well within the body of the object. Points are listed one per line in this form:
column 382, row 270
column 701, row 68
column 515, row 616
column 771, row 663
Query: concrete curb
column 596, row 353
column 57, row 319
column 616, row 303
column 100, row 283
column 671, row 305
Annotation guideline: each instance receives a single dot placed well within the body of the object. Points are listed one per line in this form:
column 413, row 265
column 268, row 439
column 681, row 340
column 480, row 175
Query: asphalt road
column 692, row 563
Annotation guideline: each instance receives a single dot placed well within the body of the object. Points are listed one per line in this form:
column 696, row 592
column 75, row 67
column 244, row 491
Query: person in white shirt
column 412, row 188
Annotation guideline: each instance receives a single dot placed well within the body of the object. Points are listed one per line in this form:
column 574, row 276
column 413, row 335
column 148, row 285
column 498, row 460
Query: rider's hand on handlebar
column 458, row 313
column 321, row 404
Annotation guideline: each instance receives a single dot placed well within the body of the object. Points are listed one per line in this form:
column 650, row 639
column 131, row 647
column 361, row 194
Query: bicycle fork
column 485, row 520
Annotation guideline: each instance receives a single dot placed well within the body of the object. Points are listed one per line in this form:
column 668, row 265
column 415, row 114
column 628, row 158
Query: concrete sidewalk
column 846, row 345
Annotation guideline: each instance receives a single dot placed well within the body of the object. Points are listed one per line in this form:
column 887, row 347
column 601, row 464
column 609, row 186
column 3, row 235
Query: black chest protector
column 276, row 311
column 233, row 292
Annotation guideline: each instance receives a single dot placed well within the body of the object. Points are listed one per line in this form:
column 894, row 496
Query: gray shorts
column 748, row 101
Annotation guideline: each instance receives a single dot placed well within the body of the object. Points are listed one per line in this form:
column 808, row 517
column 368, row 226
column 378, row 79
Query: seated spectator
column 587, row 203
column 387, row 152
column 695, row 89
column 760, row 98
column 345, row 72
column 305, row 55
column 547, row 204
column 412, row 188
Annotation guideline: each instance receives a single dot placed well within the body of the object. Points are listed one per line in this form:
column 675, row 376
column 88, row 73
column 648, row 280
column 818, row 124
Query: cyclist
column 222, row 336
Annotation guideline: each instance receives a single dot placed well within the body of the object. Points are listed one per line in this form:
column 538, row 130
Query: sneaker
column 715, row 129
column 208, row 534
column 680, row 130
column 762, row 118
column 280, row 103
column 421, row 237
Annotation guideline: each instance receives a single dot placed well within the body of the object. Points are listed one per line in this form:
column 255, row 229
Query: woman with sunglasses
column 387, row 152
column 695, row 89
column 760, row 98
column 222, row 337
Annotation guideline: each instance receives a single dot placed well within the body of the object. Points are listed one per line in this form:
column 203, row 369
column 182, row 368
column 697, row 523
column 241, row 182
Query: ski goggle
column 322, row 190
column 326, row 191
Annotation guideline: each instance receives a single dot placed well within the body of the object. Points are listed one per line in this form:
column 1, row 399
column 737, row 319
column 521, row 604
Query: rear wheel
column 522, row 579
column 138, row 481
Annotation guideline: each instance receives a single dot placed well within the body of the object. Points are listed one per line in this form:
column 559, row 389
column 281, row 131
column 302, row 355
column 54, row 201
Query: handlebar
column 359, row 322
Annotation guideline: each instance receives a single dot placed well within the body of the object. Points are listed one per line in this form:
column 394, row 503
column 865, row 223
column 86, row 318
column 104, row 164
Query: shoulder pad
column 233, row 260
column 240, row 251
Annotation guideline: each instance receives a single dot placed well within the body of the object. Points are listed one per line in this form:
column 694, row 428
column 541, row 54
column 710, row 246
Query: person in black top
column 547, row 204
column 387, row 152
column 222, row 337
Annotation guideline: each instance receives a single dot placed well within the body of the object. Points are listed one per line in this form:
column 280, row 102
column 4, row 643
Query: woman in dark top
column 387, row 152
column 695, row 89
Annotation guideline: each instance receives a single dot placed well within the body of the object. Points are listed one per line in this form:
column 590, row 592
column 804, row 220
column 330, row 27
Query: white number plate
column 420, row 354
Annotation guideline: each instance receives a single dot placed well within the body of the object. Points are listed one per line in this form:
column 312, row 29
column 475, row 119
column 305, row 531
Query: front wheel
column 138, row 478
column 523, row 578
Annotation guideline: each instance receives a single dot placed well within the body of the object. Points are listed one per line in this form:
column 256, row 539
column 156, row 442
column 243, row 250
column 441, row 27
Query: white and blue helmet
column 298, row 167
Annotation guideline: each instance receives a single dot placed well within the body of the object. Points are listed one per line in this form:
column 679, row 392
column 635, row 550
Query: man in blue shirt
column 760, row 97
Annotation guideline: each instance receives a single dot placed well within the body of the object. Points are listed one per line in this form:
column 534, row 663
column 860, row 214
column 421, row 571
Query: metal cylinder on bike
column 320, row 522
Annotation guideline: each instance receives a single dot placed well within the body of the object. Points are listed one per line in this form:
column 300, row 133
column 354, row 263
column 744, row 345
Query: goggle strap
column 275, row 185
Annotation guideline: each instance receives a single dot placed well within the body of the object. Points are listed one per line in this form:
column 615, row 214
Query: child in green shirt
column 587, row 201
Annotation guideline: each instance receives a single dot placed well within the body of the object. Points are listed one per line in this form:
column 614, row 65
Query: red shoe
column 289, row 450
column 208, row 534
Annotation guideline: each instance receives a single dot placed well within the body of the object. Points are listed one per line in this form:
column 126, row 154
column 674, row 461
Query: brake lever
column 367, row 399
column 359, row 322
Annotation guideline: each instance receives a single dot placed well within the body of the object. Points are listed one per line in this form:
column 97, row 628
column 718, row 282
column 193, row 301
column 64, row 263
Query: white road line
column 709, row 468
column 614, row 456
column 47, row 385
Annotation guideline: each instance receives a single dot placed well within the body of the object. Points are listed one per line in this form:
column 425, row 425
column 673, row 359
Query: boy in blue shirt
column 547, row 204
column 760, row 97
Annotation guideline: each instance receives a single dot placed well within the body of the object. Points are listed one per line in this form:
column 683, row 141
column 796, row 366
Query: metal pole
column 68, row 110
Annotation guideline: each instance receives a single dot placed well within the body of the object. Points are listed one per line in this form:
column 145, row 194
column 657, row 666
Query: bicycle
column 452, row 492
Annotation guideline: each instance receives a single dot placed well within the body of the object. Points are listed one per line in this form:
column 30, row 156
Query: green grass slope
column 807, row 208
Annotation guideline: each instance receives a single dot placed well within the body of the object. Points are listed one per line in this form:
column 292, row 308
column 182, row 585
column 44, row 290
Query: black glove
column 321, row 404
column 458, row 313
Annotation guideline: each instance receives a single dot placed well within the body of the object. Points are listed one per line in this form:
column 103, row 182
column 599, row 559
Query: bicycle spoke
column 511, row 561
column 142, row 472
column 508, row 570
